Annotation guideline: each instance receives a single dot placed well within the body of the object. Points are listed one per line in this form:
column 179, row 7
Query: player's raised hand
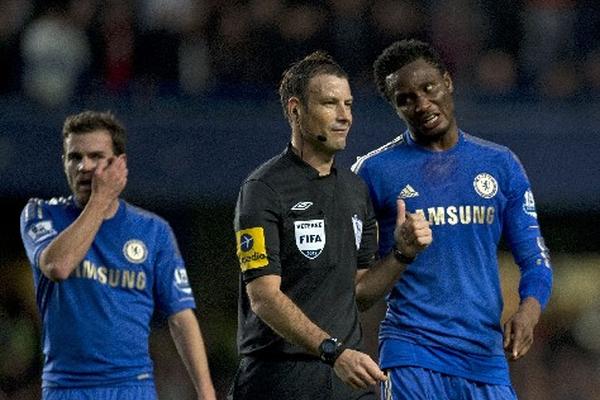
column 357, row 369
column 109, row 178
column 518, row 330
column 412, row 232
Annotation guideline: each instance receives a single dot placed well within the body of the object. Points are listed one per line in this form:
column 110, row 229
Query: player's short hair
column 399, row 54
column 295, row 79
column 90, row 121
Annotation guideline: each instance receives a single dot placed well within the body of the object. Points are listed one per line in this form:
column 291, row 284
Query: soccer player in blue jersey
column 101, row 266
column 442, row 337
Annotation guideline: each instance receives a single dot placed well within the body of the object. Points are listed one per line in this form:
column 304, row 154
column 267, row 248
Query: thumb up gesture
column 412, row 233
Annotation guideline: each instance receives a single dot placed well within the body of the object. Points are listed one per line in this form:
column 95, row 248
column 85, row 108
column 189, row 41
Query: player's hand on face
column 412, row 232
column 110, row 177
column 518, row 330
column 357, row 369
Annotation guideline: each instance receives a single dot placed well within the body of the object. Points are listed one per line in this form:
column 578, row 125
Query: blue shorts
column 129, row 392
column 414, row 383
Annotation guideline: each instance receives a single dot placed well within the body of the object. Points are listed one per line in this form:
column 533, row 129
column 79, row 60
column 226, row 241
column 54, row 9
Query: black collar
column 307, row 169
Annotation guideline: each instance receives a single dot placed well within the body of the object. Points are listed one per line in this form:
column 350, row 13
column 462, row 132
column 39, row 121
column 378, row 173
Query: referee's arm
column 278, row 311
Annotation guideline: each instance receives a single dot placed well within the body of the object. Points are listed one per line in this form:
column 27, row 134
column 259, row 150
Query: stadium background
column 195, row 82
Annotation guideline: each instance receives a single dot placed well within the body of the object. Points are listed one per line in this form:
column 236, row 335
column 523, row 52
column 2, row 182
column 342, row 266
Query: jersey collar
column 309, row 171
column 410, row 141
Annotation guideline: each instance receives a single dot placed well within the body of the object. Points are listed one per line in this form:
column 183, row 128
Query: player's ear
column 448, row 82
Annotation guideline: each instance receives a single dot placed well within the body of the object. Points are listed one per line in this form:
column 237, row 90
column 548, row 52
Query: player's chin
column 82, row 197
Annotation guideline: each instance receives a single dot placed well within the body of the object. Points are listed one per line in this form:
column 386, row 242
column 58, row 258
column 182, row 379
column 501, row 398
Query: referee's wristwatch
column 330, row 349
column 401, row 257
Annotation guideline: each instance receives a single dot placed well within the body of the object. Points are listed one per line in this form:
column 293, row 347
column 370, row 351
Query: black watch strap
column 401, row 257
column 330, row 349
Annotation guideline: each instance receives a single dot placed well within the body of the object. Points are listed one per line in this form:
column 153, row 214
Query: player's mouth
column 84, row 184
column 430, row 121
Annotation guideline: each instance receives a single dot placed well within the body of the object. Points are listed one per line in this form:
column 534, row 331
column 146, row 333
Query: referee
column 307, row 243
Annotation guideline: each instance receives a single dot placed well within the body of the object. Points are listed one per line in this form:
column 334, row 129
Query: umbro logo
column 408, row 192
column 301, row 206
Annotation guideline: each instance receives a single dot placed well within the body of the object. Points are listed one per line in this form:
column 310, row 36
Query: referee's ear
column 293, row 108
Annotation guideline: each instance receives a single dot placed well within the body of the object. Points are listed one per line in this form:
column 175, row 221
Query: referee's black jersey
column 312, row 231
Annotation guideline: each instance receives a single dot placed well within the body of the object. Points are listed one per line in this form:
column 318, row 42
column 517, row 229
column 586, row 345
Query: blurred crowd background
column 195, row 82
column 52, row 50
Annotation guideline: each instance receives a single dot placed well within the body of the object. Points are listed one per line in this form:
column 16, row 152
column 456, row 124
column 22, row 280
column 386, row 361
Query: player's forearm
column 283, row 316
column 187, row 337
column 66, row 251
column 378, row 280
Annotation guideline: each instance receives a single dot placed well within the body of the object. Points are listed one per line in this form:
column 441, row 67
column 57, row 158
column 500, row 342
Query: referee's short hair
column 294, row 81
column 90, row 121
column 399, row 54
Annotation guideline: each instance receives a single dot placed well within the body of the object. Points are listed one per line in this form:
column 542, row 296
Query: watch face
column 329, row 350
column 329, row 346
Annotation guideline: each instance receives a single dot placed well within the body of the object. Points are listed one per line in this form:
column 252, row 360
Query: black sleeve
column 367, row 253
column 257, row 223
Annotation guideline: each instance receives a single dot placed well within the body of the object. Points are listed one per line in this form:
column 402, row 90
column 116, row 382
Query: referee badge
column 310, row 237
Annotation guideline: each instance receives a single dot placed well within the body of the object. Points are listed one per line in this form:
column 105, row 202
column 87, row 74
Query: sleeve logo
column 251, row 248
column 182, row 282
column 41, row 230
column 529, row 204
column 310, row 237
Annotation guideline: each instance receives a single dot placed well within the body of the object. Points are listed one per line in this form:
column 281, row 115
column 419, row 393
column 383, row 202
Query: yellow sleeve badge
column 251, row 248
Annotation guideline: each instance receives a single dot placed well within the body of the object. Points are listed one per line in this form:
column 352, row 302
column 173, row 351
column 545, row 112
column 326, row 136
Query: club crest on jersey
column 135, row 251
column 41, row 231
column 357, row 225
column 310, row 237
column 529, row 204
column 301, row 206
column 485, row 185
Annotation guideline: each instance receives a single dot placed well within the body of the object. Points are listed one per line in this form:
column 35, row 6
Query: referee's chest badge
column 310, row 237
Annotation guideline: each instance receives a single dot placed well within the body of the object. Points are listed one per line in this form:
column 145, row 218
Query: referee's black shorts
column 293, row 378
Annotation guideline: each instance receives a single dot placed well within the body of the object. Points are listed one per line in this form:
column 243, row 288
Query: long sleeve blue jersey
column 444, row 313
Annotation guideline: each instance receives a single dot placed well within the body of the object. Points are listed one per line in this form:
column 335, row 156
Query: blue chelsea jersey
column 96, row 323
column 444, row 313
